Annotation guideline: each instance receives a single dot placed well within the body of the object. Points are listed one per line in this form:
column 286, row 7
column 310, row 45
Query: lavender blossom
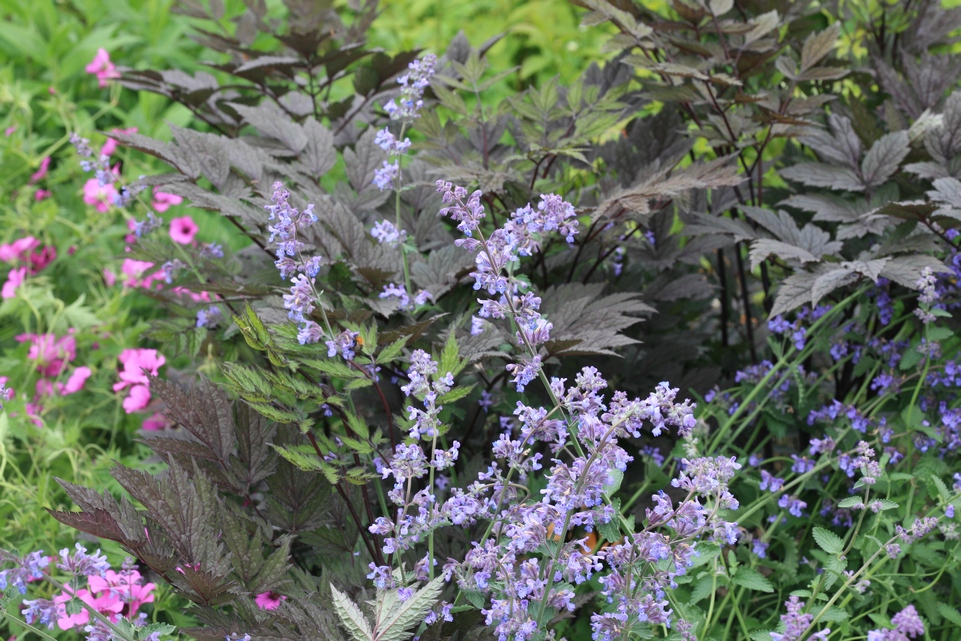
column 412, row 85
column 83, row 564
column 30, row 567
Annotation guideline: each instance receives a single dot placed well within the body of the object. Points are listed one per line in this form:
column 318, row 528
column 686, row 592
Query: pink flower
column 14, row 279
column 269, row 600
column 51, row 353
column 137, row 399
column 183, row 230
column 134, row 361
column 111, row 145
column 44, row 166
column 42, row 194
column 202, row 297
column 109, row 277
column 102, row 67
column 76, row 381
column 39, row 260
column 125, row 586
column 100, row 197
column 9, row 130
column 134, row 269
column 44, row 387
column 162, row 201
column 107, row 604
column 155, row 422
column 18, row 249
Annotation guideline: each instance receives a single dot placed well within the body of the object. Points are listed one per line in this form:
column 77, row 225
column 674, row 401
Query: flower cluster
column 102, row 191
column 26, row 260
column 134, row 362
column 495, row 257
column 796, row 623
column 417, row 513
column 291, row 262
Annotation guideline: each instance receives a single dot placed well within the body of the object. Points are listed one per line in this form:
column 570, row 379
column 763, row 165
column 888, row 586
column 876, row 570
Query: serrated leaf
column 828, row 540
column 392, row 351
column 455, row 394
column 850, row 502
column 818, row 45
column 884, row 157
column 396, row 624
column 752, row 580
column 351, row 618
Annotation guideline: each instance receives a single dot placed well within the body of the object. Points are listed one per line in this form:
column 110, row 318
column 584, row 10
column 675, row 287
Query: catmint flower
column 385, row 176
column 485, row 402
column 795, row 623
column 476, row 325
column 83, row 564
column 345, row 343
column 30, row 568
column 299, row 302
column 212, row 250
column 385, row 233
column 525, row 371
column 170, row 269
column 386, row 141
column 6, row 393
column 405, row 300
column 759, row 548
column 147, row 225
column 209, row 317
column 778, row 325
column 412, row 85
column 793, row 504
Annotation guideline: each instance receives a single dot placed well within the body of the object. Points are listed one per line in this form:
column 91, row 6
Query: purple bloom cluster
column 907, row 625
column 5, row 393
column 29, row 567
column 795, row 623
column 412, row 85
column 292, row 264
column 417, row 513
column 404, row 299
column 521, row 235
column 125, row 194
column 518, row 585
column 82, row 564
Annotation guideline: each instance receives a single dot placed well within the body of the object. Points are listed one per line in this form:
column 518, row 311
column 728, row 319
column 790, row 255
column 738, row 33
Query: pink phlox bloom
column 99, row 197
column 155, row 422
column 40, row 259
column 17, row 250
column 269, row 600
column 42, row 194
column 109, row 605
column 111, row 145
column 183, row 230
column 51, row 353
column 137, row 399
column 42, row 171
column 14, row 280
column 45, row 387
column 9, row 130
column 109, row 277
column 124, row 586
column 101, row 67
column 134, row 270
column 76, row 381
column 135, row 360
column 162, row 201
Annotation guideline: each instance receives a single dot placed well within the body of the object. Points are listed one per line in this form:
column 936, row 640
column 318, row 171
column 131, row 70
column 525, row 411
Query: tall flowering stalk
column 523, row 563
column 404, row 109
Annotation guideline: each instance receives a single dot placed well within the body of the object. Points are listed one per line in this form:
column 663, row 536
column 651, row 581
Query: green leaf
column 351, row 617
column 455, row 394
column 394, row 625
column 818, row 45
column 828, row 541
column 752, row 580
column 850, row 502
column 332, row 368
column 392, row 351
column 834, row 614
column 950, row 613
column 357, row 425
column 450, row 357
column 253, row 329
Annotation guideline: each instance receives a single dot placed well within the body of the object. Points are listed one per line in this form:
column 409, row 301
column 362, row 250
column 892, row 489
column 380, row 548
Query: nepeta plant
column 426, row 410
